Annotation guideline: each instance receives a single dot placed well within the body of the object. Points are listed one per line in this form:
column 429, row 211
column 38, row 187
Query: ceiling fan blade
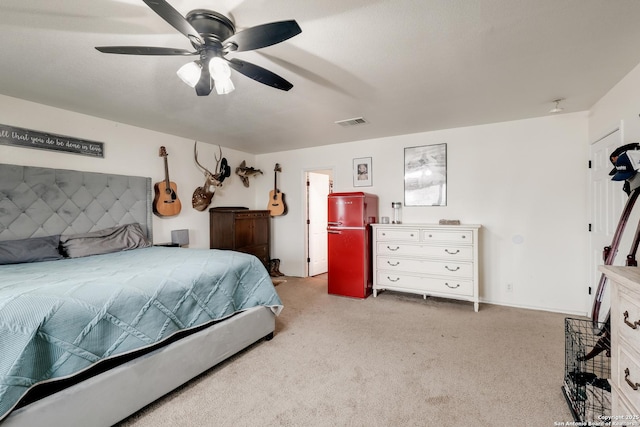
column 205, row 84
column 264, row 35
column 175, row 19
column 144, row 50
column 259, row 74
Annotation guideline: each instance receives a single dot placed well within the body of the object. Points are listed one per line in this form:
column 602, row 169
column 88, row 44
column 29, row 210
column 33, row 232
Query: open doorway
column 318, row 186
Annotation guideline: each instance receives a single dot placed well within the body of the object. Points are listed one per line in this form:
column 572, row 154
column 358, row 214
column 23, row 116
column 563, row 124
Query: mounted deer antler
column 202, row 196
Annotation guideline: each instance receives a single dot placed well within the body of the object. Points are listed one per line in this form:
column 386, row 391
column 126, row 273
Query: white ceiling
column 404, row 65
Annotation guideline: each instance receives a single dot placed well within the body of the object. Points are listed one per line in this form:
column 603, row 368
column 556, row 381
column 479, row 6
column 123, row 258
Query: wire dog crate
column 587, row 370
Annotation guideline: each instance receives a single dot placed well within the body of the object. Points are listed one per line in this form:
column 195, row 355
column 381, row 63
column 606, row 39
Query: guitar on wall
column 276, row 206
column 166, row 201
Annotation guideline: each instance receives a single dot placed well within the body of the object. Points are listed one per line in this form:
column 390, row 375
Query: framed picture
column 362, row 172
column 425, row 175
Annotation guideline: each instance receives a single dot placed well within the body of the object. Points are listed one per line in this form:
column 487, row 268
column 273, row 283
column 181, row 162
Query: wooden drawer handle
column 452, row 287
column 452, row 253
column 452, row 269
column 392, row 249
column 393, row 280
column 393, row 265
column 626, row 378
column 633, row 325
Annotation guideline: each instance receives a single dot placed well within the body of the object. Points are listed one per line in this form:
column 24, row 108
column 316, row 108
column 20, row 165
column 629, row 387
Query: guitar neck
column 275, row 180
column 166, row 171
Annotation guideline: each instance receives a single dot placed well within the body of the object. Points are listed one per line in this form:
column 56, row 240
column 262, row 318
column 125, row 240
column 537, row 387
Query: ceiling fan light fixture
column 190, row 73
column 213, row 35
column 221, row 75
column 219, row 69
column 224, row 86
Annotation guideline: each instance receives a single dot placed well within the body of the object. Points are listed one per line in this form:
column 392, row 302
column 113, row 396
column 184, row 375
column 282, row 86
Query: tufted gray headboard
column 38, row 201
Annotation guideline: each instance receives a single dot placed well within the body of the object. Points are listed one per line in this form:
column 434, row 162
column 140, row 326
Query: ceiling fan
column 213, row 36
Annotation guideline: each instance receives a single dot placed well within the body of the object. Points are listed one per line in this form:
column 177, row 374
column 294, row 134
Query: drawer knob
column 393, row 249
column 464, row 237
column 631, row 383
column 452, row 287
column 452, row 269
column 452, row 253
column 633, row 325
column 392, row 264
column 393, row 280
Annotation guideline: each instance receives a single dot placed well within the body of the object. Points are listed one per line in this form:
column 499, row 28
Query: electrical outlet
column 509, row 287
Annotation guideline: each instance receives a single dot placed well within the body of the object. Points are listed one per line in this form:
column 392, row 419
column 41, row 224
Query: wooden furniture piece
column 427, row 259
column 241, row 230
column 625, row 343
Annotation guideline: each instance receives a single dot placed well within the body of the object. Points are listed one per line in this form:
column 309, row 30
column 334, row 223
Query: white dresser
column 625, row 343
column 427, row 259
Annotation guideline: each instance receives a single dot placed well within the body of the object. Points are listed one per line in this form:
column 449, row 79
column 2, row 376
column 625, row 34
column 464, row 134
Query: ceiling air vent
column 352, row 122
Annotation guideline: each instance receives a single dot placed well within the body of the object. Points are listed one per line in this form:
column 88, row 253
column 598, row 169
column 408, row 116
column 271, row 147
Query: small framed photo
column 362, row 172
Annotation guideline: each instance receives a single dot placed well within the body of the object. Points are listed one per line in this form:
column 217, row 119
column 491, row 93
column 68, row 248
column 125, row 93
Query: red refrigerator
column 349, row 243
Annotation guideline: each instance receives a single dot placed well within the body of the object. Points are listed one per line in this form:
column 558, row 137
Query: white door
column 607, row 202
column 317, row 190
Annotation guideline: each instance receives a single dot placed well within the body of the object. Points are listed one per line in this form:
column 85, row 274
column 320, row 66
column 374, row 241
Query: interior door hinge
column 308, row 260
column 589, row 227
column 589, row 164
column 589, row 290
column 308, row 221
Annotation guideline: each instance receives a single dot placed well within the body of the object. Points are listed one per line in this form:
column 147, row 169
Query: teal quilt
column 60, row 317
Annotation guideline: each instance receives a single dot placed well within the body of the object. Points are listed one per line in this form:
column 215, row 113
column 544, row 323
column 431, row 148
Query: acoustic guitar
column 276, row 206
column 166, row 201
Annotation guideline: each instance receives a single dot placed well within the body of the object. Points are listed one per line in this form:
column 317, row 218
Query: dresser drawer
column 426, row 266
column 453, row 286
column 454, row 236
column 464, row 253
column 628, row 376
column 406, row 234
column 629, row 313
column 252, row 214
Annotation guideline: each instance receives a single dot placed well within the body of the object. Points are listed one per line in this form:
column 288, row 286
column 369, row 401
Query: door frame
column 592, row 283
column 305, row 217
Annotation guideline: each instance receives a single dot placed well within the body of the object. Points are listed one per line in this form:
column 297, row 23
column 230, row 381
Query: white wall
column 619, row 106
column 524, row 181
column 130, row 151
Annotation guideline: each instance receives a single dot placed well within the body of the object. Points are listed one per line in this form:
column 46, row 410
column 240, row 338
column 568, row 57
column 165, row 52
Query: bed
column 97, row 334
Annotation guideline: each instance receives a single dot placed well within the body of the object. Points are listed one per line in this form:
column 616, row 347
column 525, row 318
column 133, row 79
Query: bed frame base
column 114, row 395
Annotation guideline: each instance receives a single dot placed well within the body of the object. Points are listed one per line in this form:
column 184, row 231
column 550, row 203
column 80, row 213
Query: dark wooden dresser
column 241, row 230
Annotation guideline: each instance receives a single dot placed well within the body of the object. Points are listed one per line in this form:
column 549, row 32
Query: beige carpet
column 394, row 360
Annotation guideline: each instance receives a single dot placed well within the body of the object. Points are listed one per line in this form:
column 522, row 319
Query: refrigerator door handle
column 330, row 231
column 334, row 224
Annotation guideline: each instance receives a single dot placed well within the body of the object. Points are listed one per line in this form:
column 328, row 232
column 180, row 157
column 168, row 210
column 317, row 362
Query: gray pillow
column 114, row 239
column 34, row 249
